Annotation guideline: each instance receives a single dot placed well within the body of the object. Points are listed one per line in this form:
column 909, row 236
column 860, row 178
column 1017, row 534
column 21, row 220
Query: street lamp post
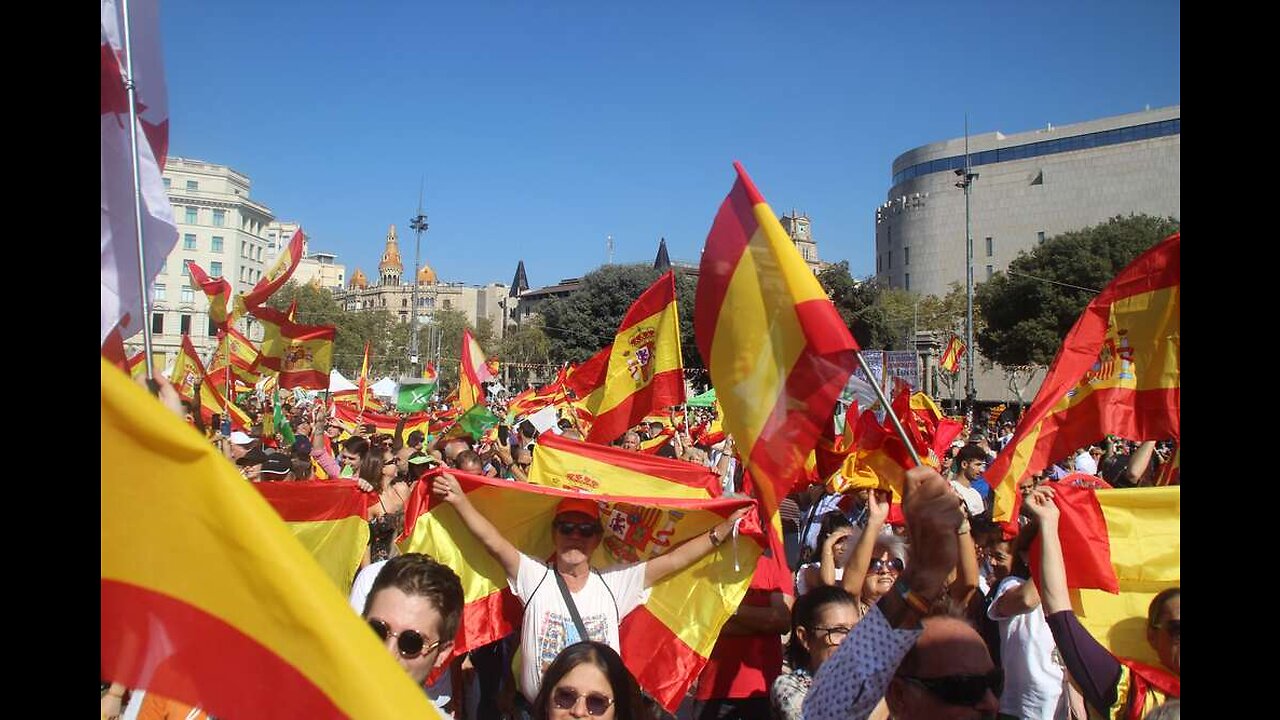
column 967, row 176
column 419, row 225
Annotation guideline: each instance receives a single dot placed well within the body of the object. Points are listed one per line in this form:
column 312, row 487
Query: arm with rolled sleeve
column 851, row 683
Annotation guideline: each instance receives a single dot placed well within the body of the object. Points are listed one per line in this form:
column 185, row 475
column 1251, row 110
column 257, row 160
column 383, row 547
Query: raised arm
column 446, row 486
column 966, row 581
column 827, row 566
column 1139, row 459
column 689, row 551
column 855, row 568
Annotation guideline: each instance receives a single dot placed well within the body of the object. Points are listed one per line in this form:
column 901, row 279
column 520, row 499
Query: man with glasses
column 414, row 605
column 601, row 598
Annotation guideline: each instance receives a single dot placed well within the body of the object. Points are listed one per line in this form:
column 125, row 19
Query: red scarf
column 1141, row 678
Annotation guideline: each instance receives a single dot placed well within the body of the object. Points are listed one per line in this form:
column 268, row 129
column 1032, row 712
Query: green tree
column 1028, row 310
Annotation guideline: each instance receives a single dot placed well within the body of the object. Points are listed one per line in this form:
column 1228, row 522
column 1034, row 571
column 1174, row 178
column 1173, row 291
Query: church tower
column 390, row 268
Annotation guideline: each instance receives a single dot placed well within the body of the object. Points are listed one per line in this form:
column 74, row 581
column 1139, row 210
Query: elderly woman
column 877, row 559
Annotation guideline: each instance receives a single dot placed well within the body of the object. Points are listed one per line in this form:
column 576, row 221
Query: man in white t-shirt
column 1033, row 676
column 602, row 597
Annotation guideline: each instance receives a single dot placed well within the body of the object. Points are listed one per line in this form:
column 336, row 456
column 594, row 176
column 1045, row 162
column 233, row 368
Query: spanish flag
column 346, row 415
column 186, row 369
column 277, row 276
column 665, row 641
column 362, row 382
column 238, row 352
column 207, row 598
column 472, row 371
column 530, row 401
column 217, row 290
column 950, row 360
column 576, row 465
column 645, row 370
column 777, row 350
column 329, row 518
column 1117, row 372
column 302, row 354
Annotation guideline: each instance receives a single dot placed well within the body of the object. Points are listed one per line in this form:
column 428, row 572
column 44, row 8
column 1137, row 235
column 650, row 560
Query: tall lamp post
column 419, row 225
column 967, row 176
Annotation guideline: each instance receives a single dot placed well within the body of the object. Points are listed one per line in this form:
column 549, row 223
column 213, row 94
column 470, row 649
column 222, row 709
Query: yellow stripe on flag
column 337, row 546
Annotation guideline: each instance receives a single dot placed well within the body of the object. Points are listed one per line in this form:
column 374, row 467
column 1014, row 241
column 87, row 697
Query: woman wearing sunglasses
column 820, row 620
column 381, row 469
column 588, row 679
column 877, row 559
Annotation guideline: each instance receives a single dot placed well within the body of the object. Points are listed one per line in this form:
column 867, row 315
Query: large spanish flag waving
column 217, row 290
column 777, row 350
column 238, row 352
column 346, row 415
column 186, row 369
column 330, row 518
column 645, row 369
column 575, row 465
column 665, row 641
column 302, row 354
column 207, row 598
column 1117, row 372
column 277, row 276
column 472, row 371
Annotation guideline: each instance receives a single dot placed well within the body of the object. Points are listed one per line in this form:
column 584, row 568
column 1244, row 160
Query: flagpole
column 137, row 200
column 897, row 425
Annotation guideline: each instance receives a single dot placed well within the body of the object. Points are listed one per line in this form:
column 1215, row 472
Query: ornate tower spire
column 390, row 268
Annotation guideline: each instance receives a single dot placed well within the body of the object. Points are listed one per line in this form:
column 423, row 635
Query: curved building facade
column 1029, row 186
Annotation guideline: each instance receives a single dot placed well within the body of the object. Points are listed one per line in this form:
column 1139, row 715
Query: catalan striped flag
column 187, row 368
column 1118, row 372
column 207, row 598
column 330, row 518
column 777, row 350
column 950, row 360
column 531, row 400
column 472, row 372
column 665, row 641
column 645, row 370
column 217, row 291
column 577, row 465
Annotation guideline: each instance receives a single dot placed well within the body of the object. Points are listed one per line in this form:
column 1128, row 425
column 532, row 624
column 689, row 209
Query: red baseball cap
column 581, row 505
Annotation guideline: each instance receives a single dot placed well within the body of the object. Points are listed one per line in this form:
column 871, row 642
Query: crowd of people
column 874, row 609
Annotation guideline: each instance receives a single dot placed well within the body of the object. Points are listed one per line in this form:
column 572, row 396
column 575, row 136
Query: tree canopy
column 1028, row 310
column 886, row 318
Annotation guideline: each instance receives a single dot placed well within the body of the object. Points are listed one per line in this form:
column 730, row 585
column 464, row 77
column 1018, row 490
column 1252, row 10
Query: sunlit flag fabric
column 277, row 276
column 187, row 368
column 414, row 394
column 1118, row 372
column 645, row 370
column 576, row 465
column 206, row 596
column 330, row 518
column 362, row 381
column 665, row 641
column 776, row 348
column 302, row 354
column 472, row 371
column 217, row 291
column 950, row 360
column 239, row 352
column 121, row 287
column 532, row 400
column 346, row 415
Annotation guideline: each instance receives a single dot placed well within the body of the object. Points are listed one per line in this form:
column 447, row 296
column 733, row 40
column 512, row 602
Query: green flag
column 414, row 394
column 282, row 425
column 477, row 420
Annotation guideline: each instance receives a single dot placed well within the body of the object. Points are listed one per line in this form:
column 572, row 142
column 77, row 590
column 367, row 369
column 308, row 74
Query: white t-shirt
column 1032, row 666
column 972, row 498
column 1085, row 463
column 548, row 627
column 802, row 586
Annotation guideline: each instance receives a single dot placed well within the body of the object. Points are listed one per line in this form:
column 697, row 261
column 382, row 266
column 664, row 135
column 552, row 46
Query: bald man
column 948, row 675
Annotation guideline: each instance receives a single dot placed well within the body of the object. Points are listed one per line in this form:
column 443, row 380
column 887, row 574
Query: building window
column 188, row 242
column 219, row 218
column 879, row 262
column 991, row 270
column 888, row 260
column 1040, row 237
column 188, row 294
column 166, row 183
column 192, row 216
column 447, row 304
column 259, row 254
column 186, row 267
column 429, row 303
column 192, row 186
column 906, row 279
column 404, row 303
column 157, row 323
column 906, row 256
column 164, row 265
column 184, row 322
column 158, row 292
column 216, row 244
column 213, row 328
column 339, row 278
column 215, row 268
column 991, row 247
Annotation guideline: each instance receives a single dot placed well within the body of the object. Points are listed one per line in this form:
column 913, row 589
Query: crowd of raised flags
column 219, row 593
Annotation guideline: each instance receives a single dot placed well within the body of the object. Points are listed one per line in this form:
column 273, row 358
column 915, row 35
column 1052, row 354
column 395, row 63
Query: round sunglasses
column 879, row 565
column 566, row 698
column 410, row 643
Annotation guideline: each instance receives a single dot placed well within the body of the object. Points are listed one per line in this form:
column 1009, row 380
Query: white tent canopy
column 386, row 387
column 337, row 383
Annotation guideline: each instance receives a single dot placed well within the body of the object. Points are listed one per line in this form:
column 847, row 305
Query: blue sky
column 543, row 127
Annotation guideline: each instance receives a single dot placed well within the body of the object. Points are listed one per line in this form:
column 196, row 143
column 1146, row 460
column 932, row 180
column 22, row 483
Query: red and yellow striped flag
column 530, row 401
column 950, row 360
column 329, row 518
column 472, row 371
column 186, row 369
column 1117, row 372
column 277, row 276
column 362, row 382
column 346, row 415
column 576, row 465
column 239, row 352
column 217, row 290
column 645, row 370
column 777, row 350
column 665, row 641
column 302, row 354
column 207, row 598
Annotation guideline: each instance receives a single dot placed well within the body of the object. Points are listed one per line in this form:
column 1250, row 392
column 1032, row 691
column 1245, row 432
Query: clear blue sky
column 543, row 127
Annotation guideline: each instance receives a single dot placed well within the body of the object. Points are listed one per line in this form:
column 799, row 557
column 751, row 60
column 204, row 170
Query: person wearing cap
column 602, row 597
column 250, row 464
column 275, row 468
column 242, row 443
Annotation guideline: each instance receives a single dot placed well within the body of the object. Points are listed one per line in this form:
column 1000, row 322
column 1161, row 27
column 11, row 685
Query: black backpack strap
column 535, row 592
column 573, row 608
column 617, row 612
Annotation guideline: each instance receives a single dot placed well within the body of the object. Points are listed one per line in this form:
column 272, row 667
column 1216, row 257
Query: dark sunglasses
column 580, row 529
column 961, row 690
column 566, row 698
column 1173, row 627
column 410, row 643
column 879, row 565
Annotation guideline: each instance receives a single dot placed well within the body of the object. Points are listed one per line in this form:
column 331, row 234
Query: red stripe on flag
column 730, row 233
column 237, row 676
column 677, row 471
column 653, row 300
column 487, row 620
column 315, row 499
column 666, row 389
column 667, row 666
column 1086, row 546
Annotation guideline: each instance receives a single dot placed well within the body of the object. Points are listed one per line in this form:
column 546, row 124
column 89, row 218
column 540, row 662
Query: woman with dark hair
column 833, row 545
column 820, row 620
column 381, row 469
column 588, row 679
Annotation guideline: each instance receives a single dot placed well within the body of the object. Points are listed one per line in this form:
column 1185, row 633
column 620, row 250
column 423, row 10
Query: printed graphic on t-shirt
column 559, row 632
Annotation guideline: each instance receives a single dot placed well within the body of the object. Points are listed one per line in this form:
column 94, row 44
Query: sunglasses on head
column 879, row 565
column 410, row 643
column 564, row 527
column 566, row 698
column 962, row 690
